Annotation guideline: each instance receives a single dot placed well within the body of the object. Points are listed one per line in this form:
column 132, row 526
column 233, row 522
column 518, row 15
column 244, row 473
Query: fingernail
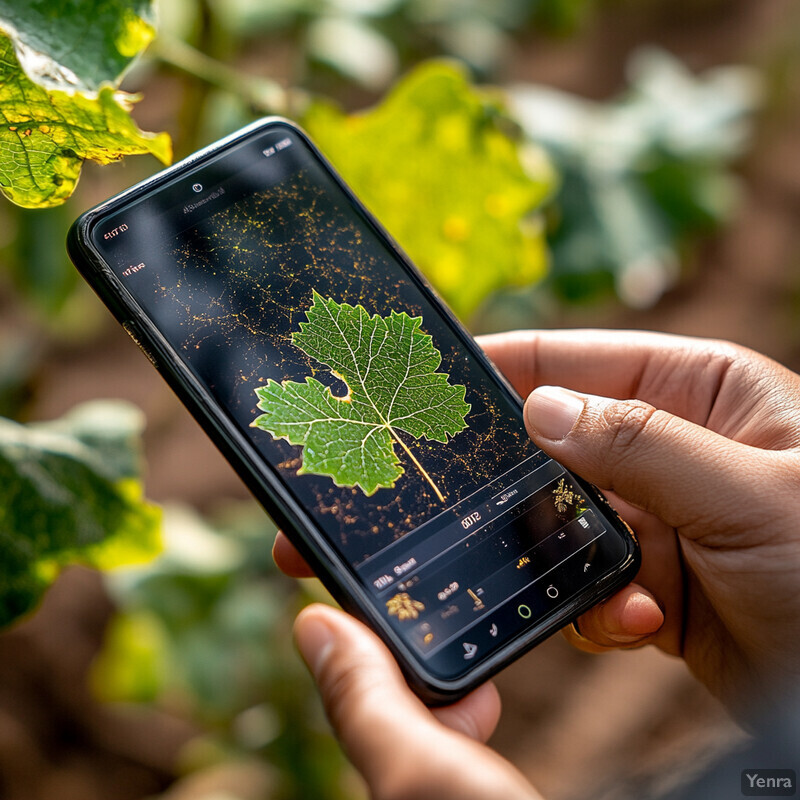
column 552, row 411
column 314, row 641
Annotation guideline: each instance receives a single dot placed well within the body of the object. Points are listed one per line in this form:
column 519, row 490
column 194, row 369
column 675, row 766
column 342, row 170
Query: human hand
column 706, row 474
column 705, row 465
column 402, row 748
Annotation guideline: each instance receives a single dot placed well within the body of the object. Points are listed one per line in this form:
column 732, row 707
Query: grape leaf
column 389, row 366
column 438, row 168
column 77, row 44
column 46, row 135
column 69, row 491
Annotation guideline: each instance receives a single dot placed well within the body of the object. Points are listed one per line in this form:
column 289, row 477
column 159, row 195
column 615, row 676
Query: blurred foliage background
column 545, row 162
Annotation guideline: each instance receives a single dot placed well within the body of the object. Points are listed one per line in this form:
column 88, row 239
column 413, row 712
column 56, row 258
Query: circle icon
column 552, row 592
column 524, row 611
column 197, row 187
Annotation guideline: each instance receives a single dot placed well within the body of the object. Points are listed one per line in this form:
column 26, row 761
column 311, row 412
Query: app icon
column 479, row 606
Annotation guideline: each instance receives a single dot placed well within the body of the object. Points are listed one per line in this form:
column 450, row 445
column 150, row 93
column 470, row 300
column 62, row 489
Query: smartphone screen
column 311, row 333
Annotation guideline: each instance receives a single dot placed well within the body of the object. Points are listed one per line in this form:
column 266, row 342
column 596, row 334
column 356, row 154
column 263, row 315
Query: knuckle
column 724, row 357
column 727, row 361
column 626, row 422
column 716, row 350
column 726, row 351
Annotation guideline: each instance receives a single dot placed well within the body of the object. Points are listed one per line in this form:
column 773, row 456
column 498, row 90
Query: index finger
column 667, row 371
column 288, row 559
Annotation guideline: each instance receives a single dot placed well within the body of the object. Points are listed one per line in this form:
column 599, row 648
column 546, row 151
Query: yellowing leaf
column 132, row 667
column 434, row 165
column 46, row 135
column 133, row 34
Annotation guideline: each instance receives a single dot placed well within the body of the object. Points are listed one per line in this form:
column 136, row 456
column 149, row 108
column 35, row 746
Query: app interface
column 316, row 341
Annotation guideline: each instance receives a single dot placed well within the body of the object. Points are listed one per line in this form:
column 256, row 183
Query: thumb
column 683, row 473
column 392, row 738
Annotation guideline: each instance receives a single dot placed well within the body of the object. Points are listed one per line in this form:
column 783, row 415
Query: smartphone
column 356, row 408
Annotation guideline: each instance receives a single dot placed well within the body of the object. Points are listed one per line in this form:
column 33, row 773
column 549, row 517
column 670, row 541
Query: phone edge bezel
column 274, row 497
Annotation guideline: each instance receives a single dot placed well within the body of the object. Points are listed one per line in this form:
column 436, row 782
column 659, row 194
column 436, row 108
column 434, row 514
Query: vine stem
column 266, row 96
column 418, row 465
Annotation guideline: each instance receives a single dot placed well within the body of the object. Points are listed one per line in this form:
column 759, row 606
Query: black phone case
column 265, row 485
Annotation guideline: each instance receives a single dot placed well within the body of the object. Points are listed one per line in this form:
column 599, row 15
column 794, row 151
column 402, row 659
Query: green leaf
column 389, row 366
column 436, row 166
column 69, row 492
column 77, row 44
column 644, row 175
column 45, row 136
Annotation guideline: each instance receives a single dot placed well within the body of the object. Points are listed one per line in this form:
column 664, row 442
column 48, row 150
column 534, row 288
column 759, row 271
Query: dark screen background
column 228, row 293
